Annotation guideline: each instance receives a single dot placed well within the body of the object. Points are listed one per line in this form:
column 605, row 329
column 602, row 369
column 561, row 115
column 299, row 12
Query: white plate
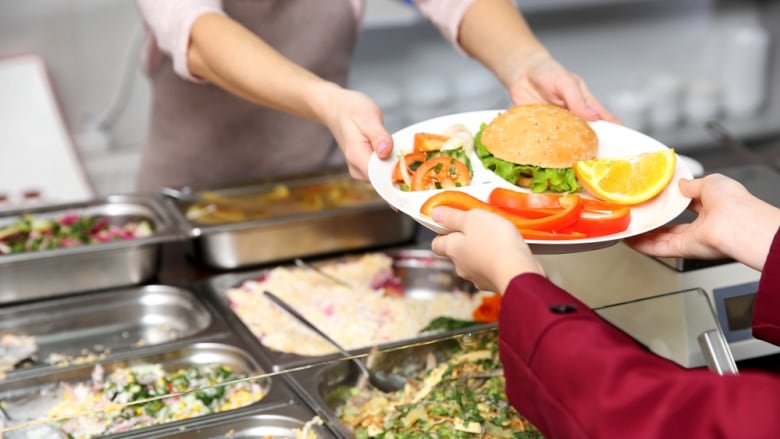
column 614, row 140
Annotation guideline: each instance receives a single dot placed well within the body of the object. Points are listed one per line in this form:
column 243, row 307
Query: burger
column 536, row 145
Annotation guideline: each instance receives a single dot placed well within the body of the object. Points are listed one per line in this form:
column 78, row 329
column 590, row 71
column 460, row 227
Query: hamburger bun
column 541, row 135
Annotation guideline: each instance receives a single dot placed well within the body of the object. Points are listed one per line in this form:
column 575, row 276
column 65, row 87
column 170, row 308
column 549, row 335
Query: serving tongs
column 386, row 382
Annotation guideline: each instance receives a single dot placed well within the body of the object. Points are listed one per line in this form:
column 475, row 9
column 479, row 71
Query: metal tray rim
column 168, row 230
column 194, row 229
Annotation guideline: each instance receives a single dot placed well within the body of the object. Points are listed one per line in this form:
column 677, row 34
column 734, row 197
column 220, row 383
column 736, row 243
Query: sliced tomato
column 572, row 207
column 413, row 160
column 441, row 172
column 594, row 225
column 428, row 142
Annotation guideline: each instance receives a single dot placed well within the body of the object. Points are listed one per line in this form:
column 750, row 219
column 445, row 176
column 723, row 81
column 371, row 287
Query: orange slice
column 627, row 180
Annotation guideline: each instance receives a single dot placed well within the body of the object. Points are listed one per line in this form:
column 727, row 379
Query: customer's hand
column 731, row 223
column 355, row 121
column 540, row 78
column 486, row 249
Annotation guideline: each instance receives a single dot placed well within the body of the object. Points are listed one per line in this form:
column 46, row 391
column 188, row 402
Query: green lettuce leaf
column 542, row 179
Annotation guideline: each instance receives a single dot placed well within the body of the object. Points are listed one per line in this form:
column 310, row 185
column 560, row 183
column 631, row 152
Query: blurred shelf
column 687, row 138
column 382, row 14
column 112, row 171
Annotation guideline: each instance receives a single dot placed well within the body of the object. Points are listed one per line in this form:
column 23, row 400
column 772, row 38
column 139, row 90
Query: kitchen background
column 665, row 66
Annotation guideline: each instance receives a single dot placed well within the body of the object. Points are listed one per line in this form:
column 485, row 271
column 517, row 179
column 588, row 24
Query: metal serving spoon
column 386, row 382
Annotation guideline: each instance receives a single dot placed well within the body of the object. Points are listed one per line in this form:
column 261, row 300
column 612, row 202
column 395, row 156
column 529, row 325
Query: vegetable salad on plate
column 437, row 161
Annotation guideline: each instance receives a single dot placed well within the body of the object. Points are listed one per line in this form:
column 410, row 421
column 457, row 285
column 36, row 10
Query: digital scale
column 654, row 299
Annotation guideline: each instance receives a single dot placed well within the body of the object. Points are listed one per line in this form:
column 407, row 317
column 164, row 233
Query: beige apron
column 200, row 135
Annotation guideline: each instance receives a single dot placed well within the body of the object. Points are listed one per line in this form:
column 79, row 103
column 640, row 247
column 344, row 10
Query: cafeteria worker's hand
column 495, row 33
column 485, row 248
column 731, row 222
column 355, row 121
column 540, row 78
column 226, row 54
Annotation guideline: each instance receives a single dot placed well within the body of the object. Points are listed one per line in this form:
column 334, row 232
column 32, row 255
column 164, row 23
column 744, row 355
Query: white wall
column 90, row 45
column 91, row 50
column 87, row 45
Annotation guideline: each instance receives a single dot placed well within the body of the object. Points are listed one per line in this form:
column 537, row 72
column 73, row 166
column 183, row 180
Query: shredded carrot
column 488, row 310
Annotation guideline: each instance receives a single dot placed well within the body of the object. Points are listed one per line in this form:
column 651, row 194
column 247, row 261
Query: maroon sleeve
column 574, row 375
column 766, row 313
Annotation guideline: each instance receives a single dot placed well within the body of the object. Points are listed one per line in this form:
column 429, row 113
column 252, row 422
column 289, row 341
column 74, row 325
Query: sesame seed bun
column 540, row 135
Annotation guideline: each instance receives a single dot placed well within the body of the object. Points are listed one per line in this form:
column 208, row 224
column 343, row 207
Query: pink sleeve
column 447, row 15
column 766, row 313
column 574, row 375
column 170, row 22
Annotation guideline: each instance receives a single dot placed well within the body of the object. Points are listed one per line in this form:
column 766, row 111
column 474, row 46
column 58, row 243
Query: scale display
column 734, row 306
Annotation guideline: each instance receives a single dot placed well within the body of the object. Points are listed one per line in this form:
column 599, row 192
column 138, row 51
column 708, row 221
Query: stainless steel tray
column 30, row 398
column 423, row 274
column 275, row 422
column 322, row 386
column 93, row 326
column 284, row 235
column 32, row 275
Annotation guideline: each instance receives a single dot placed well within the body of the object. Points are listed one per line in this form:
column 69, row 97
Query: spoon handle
column 299, row 262
column 382, row 381
column 298, row 316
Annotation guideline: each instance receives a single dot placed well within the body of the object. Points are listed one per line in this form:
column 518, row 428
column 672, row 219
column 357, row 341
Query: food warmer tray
column 322, row 385
column 29, row 398
column 93, row 326
column 266, row 422
column 257, row 223
column 423, row 274
column 36, row 274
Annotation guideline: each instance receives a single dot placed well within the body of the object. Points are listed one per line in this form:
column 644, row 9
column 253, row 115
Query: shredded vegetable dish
column 458, row 397
column 370, row 312
column 108, row 396
column 29, row 234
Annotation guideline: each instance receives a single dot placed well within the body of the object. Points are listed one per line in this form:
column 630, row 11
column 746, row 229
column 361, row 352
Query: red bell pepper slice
column 488, row 310
column 540, row 235
column 568, row 215
column 534, row 205
column 607, row 218
column 591, row 205
column 528, row 205
column 606, row 224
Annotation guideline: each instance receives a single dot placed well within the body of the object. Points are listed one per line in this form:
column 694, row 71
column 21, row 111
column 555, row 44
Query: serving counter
column 167, row 354
column 182, row 315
